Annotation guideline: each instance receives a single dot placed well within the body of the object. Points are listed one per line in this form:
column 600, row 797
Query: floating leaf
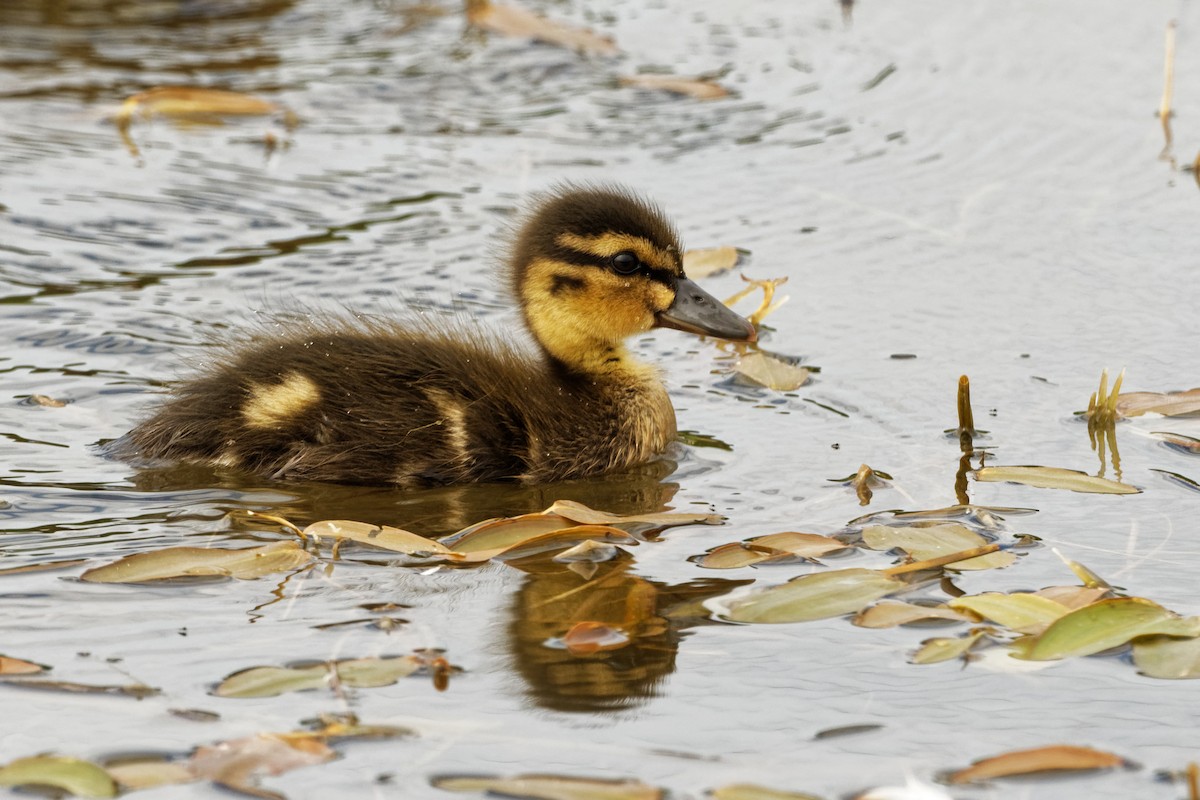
column 935, row 651
column 519, row 23
column 1108, row 623
column 135, row 690
column 550, row 541
column 1167, row 657
column 238, row 763
column 1054, row 478
column 46, row 400
column 750, row 791
column 578, row 512
column 768, row 371
column 1177, row 441
column 593, row 637
column 383, row 537
column 17, row 666
column 890, row 613
column 1170, row 404
column 72, row 775
column 148, row 773
column 739, row 554
column 696, row 88
column 551, row 787
column 362, row 673
column 1090, row 579
column 983, row 516
column 47, row 567
column 1053, row 758
column 1021, row 612
column 1073, row 597
column 932, row 541
column 589, row 551
column 772, row 547
column 710, row 261
column 196, row 562
column 816, row 596
column 1180, row 480
column 496, row 534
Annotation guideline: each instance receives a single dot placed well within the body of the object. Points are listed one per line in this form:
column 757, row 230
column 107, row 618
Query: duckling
column 380, row 402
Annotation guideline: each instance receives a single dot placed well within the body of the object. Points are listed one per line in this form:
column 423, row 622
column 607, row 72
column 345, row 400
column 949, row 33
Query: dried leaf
column 935, row 651
column 190, row 101
column 1041, row 759
column 593, row 637
column 709, row 261
column 1170, row 404
column 47, row 567
column 549, row 541
column 1108, row 623
column 1179, row 442
column 239, row 763
column 1167, row 657
column 72, row 775
column 750, row 791
column 768, row 371
column 932, row 541
column 361, row 672
column 805, row 545
column 1073, row 597
column 46, row 400
column 772, row 547
column 739, row 554
column 579, row 513
column 17, row 666
column 148, row 773
column 135, row 690
column 589, row 551
column 383, row 537
column 519, row 23
column 890, row 613
column 816, row 596
column 496, row 534
column 201, row 562
column 766, row 307
column 1021, row 612
column 1054, row 478
column 696, row 88
column 551, row 787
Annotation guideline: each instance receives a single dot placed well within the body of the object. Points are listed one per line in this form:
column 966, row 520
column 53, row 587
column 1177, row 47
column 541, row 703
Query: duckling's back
column 380, row 404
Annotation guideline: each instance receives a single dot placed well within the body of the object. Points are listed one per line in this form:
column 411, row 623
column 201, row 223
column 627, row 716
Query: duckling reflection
column 654, row 615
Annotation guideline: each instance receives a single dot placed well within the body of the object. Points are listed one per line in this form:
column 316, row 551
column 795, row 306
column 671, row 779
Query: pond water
column 974, row 184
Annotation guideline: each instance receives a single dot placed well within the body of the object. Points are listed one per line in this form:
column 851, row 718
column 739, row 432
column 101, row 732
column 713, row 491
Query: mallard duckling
column 378, row 402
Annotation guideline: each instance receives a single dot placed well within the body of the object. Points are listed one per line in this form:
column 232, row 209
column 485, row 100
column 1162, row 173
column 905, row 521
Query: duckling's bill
column 697, row 311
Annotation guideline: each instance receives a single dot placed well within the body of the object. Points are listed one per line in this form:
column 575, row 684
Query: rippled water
column 970, row 183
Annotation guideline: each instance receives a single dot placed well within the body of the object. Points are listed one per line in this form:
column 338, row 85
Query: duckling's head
column 595, row 265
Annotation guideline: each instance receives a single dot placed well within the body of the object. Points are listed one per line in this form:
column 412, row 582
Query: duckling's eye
column 626, row 263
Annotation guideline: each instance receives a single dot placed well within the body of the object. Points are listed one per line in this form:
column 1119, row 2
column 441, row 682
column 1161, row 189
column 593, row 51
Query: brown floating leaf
column 17, row 666
column 890, row 613
column 593, row 637
column 135, row 690
column 201, row 562
column 496, row 534
column 1167, row 657
column 239, row 763
column 816, row 596
column 1041, row 759
column 1054, row 478
column 72, row 775
column 522, row 24
column 551, row 787
column 578, row 512
column 709, row 261
column 1171, row 404
column 384, row 537
column 739, row 554
column 768, row 371
column 1108, row 623
column 696, row 88
column 361, row 672
column 48, row 566
column 549, row 541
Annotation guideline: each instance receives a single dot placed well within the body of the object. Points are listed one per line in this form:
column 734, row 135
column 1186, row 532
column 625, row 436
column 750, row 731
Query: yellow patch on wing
column 606, row 245
column 271, row 405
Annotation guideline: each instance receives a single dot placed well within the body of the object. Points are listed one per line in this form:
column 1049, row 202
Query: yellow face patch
column 607, row 245
column 272, row 405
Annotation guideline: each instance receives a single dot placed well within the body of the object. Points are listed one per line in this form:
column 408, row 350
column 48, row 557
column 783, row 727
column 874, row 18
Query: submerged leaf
column 551, row 787
column 710, row 261
column 1167, row 657
column 768, row 371
column 1054, row 478
column 362, row 673
column 196, row 562
column 1041, row 759
column 816, row 596
column 1108, row 623
column 520, row 23
column 72, row 775
column 1169, row 404
column 696, row 88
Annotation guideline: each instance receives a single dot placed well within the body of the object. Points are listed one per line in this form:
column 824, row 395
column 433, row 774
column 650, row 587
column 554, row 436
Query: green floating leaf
column 201, row 562
column 935, row 651
column 750, row 791
column 1167, row 657
column 551, row 787
column 72, row 775
column 932, row 541
column 817, row 596
column 1020, row 611
column 1054, row 478
column 362, row 673
column 383, row 537
column 1106, row 624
